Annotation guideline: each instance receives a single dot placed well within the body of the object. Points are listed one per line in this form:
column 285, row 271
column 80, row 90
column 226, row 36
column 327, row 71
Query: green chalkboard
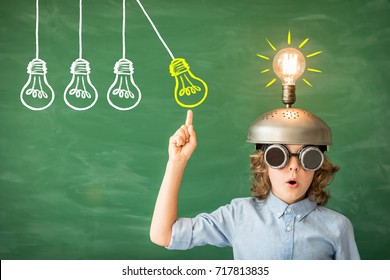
column 82, row 184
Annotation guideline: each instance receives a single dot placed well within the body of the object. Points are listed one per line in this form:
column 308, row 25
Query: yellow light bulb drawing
column 289, row 63
column 190, row 91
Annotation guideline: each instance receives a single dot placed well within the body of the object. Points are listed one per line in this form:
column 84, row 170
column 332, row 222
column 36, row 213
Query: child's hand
column 182, row 144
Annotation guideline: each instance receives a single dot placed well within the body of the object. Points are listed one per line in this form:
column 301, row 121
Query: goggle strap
column 263, row 147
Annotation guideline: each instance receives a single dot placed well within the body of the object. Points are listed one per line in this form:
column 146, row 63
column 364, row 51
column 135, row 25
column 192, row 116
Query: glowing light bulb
column 190, row 91
column 37, row 94
column 123, row 94
column 289, row 64
column 80, row 94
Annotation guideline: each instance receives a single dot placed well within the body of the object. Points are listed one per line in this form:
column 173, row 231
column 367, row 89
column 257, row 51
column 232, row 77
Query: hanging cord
column 155, row 29
column 80, row 28
column 123, row 30
column 36, row 29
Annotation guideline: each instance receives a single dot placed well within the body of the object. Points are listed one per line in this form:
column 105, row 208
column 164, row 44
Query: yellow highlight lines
column 314, row 70
column 313, row 54
column 289, row 38
column 263, row 56
column 303, row 43
column 307, row 82
column 271, row 82
column 272, row 46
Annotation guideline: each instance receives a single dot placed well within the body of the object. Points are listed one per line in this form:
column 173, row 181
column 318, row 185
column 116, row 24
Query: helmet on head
column 290, row 125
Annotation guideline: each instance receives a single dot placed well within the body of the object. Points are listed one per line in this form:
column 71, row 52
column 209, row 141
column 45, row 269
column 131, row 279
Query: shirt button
column 289, row 228
column 289, row 210
column 299, row 216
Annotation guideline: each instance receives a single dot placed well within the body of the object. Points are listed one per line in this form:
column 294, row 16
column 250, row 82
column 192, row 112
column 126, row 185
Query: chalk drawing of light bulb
column 190, row 91
column 123, row 93
column 80, row 94
column 37, row 94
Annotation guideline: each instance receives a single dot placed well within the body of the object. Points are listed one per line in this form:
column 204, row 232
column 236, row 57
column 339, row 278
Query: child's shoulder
column 246, row 202
column 242, row 207
column 330, row 214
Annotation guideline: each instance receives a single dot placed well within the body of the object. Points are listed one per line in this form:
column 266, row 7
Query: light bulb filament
column 123, row 92
column 289, row 64
column 80, row 93
column 188, row 90
column 34, row 92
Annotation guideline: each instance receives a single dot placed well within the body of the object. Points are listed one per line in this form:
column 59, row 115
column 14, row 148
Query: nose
column 293, row 164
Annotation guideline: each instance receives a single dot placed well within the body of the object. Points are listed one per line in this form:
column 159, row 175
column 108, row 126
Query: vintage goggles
column 277, row 156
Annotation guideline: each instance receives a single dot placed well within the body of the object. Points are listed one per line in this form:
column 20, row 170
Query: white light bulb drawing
column 80, row 94
column 37, row 94
column 123, row 93
column 190, row 91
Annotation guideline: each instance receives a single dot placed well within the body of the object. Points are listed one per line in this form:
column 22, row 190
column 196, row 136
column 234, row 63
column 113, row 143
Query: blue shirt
column 270, row 229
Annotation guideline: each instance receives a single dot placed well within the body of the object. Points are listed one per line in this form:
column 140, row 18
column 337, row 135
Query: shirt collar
column 301, row 208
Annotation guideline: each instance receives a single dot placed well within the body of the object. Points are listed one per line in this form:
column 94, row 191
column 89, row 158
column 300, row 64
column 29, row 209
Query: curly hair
column 261, row 184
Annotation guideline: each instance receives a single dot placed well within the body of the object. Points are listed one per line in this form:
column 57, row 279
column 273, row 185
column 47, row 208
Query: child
column 284, row 220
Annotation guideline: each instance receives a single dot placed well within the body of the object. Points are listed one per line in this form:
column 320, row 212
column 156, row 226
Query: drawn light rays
column 301, row 45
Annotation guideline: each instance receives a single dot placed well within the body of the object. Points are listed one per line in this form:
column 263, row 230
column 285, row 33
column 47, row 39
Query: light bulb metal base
column 37, row 67
column 178, row 66
column 123, row 67
column 80, row 67
column 288, row 95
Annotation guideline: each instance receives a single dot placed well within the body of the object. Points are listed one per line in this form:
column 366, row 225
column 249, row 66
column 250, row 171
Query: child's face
column 291, row 182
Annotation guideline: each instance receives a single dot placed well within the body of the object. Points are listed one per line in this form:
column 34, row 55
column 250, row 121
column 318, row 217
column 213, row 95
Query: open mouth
column 292, row 184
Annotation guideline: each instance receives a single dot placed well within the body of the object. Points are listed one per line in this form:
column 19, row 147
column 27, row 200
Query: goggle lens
column 310, row 157
column 276, row 157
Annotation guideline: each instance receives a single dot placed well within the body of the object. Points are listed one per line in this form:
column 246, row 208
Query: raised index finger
column 189, row 118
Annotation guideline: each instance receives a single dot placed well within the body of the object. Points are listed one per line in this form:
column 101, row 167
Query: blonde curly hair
column 261, row 184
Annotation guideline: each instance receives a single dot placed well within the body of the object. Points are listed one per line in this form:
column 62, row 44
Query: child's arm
column 181, row 146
